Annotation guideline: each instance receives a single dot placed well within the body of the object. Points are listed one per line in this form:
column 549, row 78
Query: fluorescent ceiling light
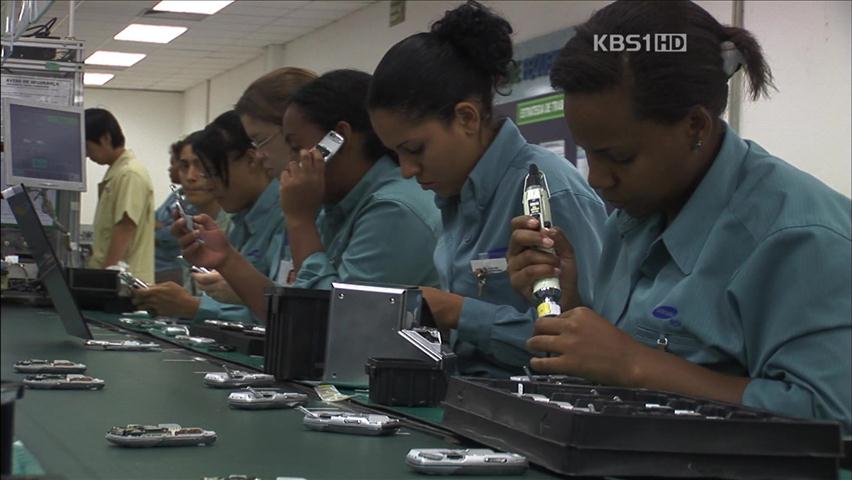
column 117, row 59
column 149, row 33
column 96, row 78
column 192, row 6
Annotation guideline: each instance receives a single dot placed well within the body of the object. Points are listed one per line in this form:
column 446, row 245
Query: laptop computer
column 50, row 271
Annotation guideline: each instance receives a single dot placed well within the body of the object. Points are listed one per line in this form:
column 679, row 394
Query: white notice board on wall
column 53, row 91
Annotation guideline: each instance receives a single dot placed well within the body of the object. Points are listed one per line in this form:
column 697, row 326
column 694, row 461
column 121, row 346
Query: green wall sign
column 540, row 109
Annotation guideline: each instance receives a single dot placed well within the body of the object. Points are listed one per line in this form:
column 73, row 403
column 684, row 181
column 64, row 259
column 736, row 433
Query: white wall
column 807, row 121
column 194, row 108
column 226, row 89
column 200, row 108
column 368, row 36
column 362, row 38
column 151, row 121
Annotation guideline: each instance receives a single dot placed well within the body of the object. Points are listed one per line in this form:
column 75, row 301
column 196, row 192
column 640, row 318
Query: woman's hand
column 214, row 285
column 168, row 298
column 586, row 345
column 303, row 187
column 528, row 263
column 446, row 307
column 211, row 251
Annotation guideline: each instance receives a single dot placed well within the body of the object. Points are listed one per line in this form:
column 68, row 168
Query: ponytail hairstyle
column 219, row 142
column 266, row 98
column 466, row 55
column 340, row 96
column 664, row 85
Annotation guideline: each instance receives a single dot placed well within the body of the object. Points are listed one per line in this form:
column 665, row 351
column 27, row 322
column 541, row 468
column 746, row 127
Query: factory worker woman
column 166, row 249
column 198, row 190
column 725, row 272
column 240, row 184
column 260, row 109
column 431, row 102
column 351, row 219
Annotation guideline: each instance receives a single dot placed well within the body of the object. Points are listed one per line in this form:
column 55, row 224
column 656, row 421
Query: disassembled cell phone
column 192, row 267
column 556, row 379
column 128, row 279
column 49, row 366
column 237, row 379
column 137, row 322
column 58, row 381
column 198, row 341
column 123, row 345
column 235, row 476
column 473, row 461
column 255, row 331
column 347, row 422
column 162, row 435
column 180, row 204
column 536, row 397
column 234, row 326
column 221, row 348
column 175, row 330
column 265, row 398
column 329, row 145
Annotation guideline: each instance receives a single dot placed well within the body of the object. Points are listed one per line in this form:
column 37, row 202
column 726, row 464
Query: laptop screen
column 49, row 269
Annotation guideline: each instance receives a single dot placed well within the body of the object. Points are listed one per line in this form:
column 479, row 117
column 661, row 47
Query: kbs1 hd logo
column 649, row 42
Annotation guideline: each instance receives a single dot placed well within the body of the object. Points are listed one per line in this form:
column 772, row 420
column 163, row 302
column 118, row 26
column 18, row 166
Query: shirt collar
column 118, row 164
column 483, row 180
column 259, row 214
column 368, row 184
column 687, row 234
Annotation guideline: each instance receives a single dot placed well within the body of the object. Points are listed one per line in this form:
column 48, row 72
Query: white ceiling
column 212, row 45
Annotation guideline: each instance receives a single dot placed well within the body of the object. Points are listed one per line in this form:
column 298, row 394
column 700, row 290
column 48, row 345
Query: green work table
column 64, row 430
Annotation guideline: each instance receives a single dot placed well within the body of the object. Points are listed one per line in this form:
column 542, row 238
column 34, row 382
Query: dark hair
column 176, row 147
column 340, row 95
column 100, row 122
column 266, row 98
column 664, row 85
column 215, row 144
column 467, row 53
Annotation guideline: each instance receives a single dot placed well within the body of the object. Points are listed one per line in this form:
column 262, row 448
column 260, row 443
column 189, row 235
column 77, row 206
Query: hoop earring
column 697, row 145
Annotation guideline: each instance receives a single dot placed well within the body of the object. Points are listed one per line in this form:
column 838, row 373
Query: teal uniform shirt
column 383, row 231
column 752, row 278
column 258, row 234
column 496, row 322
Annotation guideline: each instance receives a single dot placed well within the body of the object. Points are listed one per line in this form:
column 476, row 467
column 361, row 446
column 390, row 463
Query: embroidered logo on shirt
column 253, row 254
column 665, row 312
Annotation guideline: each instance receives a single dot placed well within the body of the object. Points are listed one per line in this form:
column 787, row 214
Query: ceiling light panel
column 150, row 33
column 115, row 59
column 92, row 78
column 192, row 6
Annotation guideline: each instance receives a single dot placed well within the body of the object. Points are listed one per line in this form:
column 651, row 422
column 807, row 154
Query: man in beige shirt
column 124, row 218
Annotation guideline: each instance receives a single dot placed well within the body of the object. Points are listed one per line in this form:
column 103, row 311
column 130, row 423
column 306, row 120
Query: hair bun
column 481, row 36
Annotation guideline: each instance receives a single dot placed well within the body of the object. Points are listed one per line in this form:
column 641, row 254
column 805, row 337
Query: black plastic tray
column 243, row 343
column 296, row 331
column 97, row 289
column 406, row 382
column 624, row 438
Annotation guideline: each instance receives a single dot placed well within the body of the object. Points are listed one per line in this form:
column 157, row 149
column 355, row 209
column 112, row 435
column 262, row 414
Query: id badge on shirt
column 285, row 268
column 488, row 263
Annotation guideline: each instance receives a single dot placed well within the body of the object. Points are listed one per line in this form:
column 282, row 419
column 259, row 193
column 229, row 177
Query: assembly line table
column 64, row 430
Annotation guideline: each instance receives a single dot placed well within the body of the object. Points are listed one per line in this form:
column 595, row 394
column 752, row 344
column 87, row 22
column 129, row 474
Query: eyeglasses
column 260, row 144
